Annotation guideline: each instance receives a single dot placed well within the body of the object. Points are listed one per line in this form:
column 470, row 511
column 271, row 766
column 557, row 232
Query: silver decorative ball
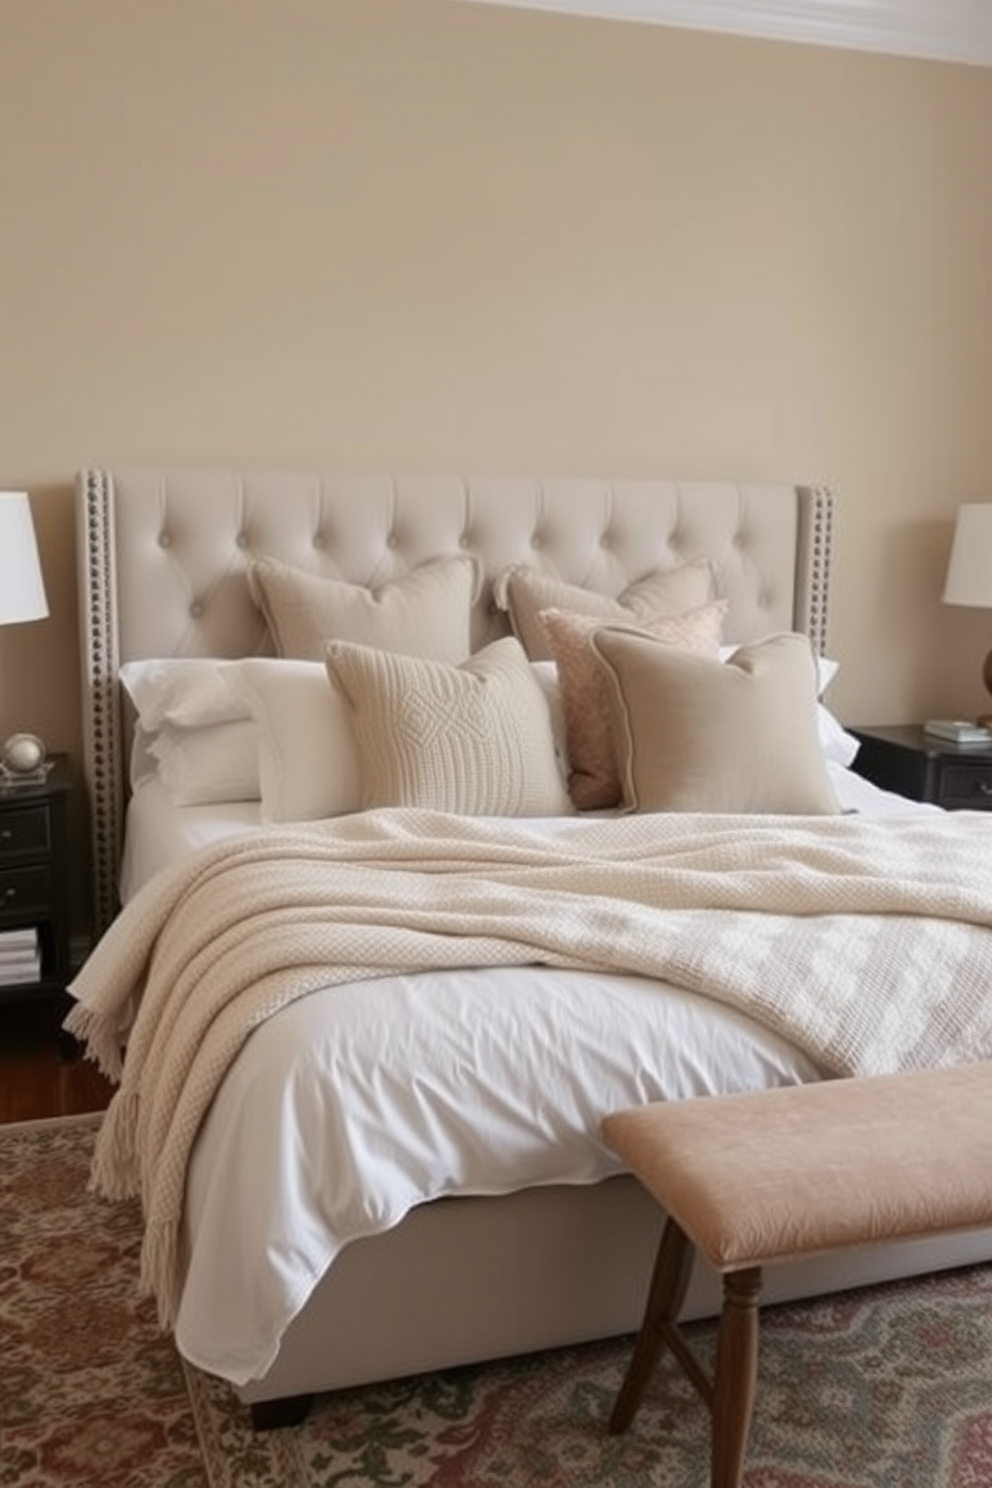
column 23, row 753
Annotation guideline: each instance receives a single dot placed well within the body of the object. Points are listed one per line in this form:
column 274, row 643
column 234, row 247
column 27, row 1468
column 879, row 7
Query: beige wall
column 419, row 234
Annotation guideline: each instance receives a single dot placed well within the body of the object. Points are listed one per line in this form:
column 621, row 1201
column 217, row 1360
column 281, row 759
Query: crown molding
column 941, row 30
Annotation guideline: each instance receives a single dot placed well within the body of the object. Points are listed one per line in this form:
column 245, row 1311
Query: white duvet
column 350, row 1107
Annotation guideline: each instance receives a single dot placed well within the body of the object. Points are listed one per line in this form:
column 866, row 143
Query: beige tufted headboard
column 162, row 557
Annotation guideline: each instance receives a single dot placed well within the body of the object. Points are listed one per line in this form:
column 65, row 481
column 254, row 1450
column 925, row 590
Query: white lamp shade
column 969, row 572
column 22, row 590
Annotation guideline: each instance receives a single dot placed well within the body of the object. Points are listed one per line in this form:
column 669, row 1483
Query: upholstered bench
column 750, row 1180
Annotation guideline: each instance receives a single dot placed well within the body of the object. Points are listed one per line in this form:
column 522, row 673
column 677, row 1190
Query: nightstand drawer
column 966, row 786
column 25, row 891
column 25, row 831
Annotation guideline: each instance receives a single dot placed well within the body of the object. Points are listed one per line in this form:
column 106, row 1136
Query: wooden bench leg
column 735, row 1376
column 672, row 1270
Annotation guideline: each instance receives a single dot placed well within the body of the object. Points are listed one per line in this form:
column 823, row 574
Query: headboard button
column 196, row 609
column 164, row 540
column 242, row 539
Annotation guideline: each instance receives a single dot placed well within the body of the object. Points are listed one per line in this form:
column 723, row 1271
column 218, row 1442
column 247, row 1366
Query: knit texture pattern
column 867, row 943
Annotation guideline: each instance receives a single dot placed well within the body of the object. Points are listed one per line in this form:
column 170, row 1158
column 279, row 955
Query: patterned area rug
column 885, row 1388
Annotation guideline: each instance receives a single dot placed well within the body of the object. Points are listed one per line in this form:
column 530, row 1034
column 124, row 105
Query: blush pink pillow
column 594, row 779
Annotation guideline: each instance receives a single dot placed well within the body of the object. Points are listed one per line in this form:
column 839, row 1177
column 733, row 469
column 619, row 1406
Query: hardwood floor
column 41, row 1071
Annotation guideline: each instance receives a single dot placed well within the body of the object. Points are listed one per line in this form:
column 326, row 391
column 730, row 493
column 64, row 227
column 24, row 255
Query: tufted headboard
column 162, row 557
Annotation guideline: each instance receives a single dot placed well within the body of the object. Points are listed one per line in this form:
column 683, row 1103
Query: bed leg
column 270, row 1415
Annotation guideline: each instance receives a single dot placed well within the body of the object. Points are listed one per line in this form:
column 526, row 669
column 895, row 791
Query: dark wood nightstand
column 35, row 882
column 902, row 758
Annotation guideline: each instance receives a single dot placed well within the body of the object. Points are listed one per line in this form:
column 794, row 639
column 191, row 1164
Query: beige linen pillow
column 425, row 613
column 474, row 739
column 524, row 592
column 697, row 734
column 594, row 780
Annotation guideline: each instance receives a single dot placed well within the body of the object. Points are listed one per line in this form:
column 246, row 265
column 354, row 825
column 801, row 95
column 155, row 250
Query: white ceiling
column 946, row 30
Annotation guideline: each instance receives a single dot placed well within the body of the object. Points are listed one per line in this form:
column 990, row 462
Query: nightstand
column 902, row 758
column 35, row 880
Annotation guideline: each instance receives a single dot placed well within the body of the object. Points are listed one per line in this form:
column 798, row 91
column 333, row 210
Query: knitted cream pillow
column 594, row 780
column 524, row 592
column 694, row 733
column 474, row 739
column 425, row 613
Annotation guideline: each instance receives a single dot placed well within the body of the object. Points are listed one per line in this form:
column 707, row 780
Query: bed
column 518, row 1256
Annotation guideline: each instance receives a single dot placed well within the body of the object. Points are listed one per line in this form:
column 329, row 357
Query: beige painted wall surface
column 416, row 234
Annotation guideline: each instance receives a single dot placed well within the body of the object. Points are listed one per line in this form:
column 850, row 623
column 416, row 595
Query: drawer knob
column 6, row 835
column 9, row 894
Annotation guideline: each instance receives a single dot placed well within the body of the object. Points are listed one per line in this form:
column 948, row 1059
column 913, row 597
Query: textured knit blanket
column 866, row 943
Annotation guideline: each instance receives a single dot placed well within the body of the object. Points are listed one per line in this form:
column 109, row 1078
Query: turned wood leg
column 735, row 1376
column 672, row 1269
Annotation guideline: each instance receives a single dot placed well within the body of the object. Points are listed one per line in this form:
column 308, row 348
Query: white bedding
column 159, row 833
column 306, row 1105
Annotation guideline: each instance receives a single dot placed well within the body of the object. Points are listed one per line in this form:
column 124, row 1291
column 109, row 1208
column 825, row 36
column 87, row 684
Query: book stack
column 20, row 957
column 958, row 731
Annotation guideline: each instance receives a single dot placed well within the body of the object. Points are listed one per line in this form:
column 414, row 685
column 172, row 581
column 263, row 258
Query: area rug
column 889, row 1387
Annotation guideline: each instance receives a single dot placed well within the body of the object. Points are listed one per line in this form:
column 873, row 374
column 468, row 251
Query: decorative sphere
column 23, row 753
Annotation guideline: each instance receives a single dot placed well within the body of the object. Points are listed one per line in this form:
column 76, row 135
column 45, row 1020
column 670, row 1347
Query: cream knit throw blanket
column 866, row 943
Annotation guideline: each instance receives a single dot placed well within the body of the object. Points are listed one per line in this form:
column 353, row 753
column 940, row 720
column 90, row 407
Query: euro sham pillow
column 475, row 739
column 594, row 780
column 307, row 761
column 524, row 592
column 696, row 734
column 427, row 612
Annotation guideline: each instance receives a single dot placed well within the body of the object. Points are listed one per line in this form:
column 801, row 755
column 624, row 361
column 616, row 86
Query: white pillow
column 201, row 766
column 186, row 691
column 546, row 674
column 837, row 744
column 307, row 758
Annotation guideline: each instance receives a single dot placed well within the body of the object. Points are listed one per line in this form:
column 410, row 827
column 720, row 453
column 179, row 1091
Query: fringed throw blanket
column 866, row 943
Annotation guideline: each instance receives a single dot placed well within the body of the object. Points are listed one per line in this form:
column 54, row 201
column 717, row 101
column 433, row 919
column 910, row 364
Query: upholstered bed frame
column 162, row 557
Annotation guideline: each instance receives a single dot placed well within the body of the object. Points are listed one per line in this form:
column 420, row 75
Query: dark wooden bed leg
column 270, row 1415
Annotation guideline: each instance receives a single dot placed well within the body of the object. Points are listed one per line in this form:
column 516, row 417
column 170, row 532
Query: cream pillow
column 307, row 761
column 425, row 613
column 474, row 739
column 696, row 734
column 594, row 780
column 524, row 592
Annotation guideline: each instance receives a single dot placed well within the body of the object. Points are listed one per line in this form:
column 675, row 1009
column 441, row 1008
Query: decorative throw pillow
column 425, row 613
column 524, row 592
column 307, row 761
column 697, row 734
column 474, row 739
column 594, row 780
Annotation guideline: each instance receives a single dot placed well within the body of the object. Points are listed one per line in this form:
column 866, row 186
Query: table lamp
column 22, row 597
column 969, row 571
